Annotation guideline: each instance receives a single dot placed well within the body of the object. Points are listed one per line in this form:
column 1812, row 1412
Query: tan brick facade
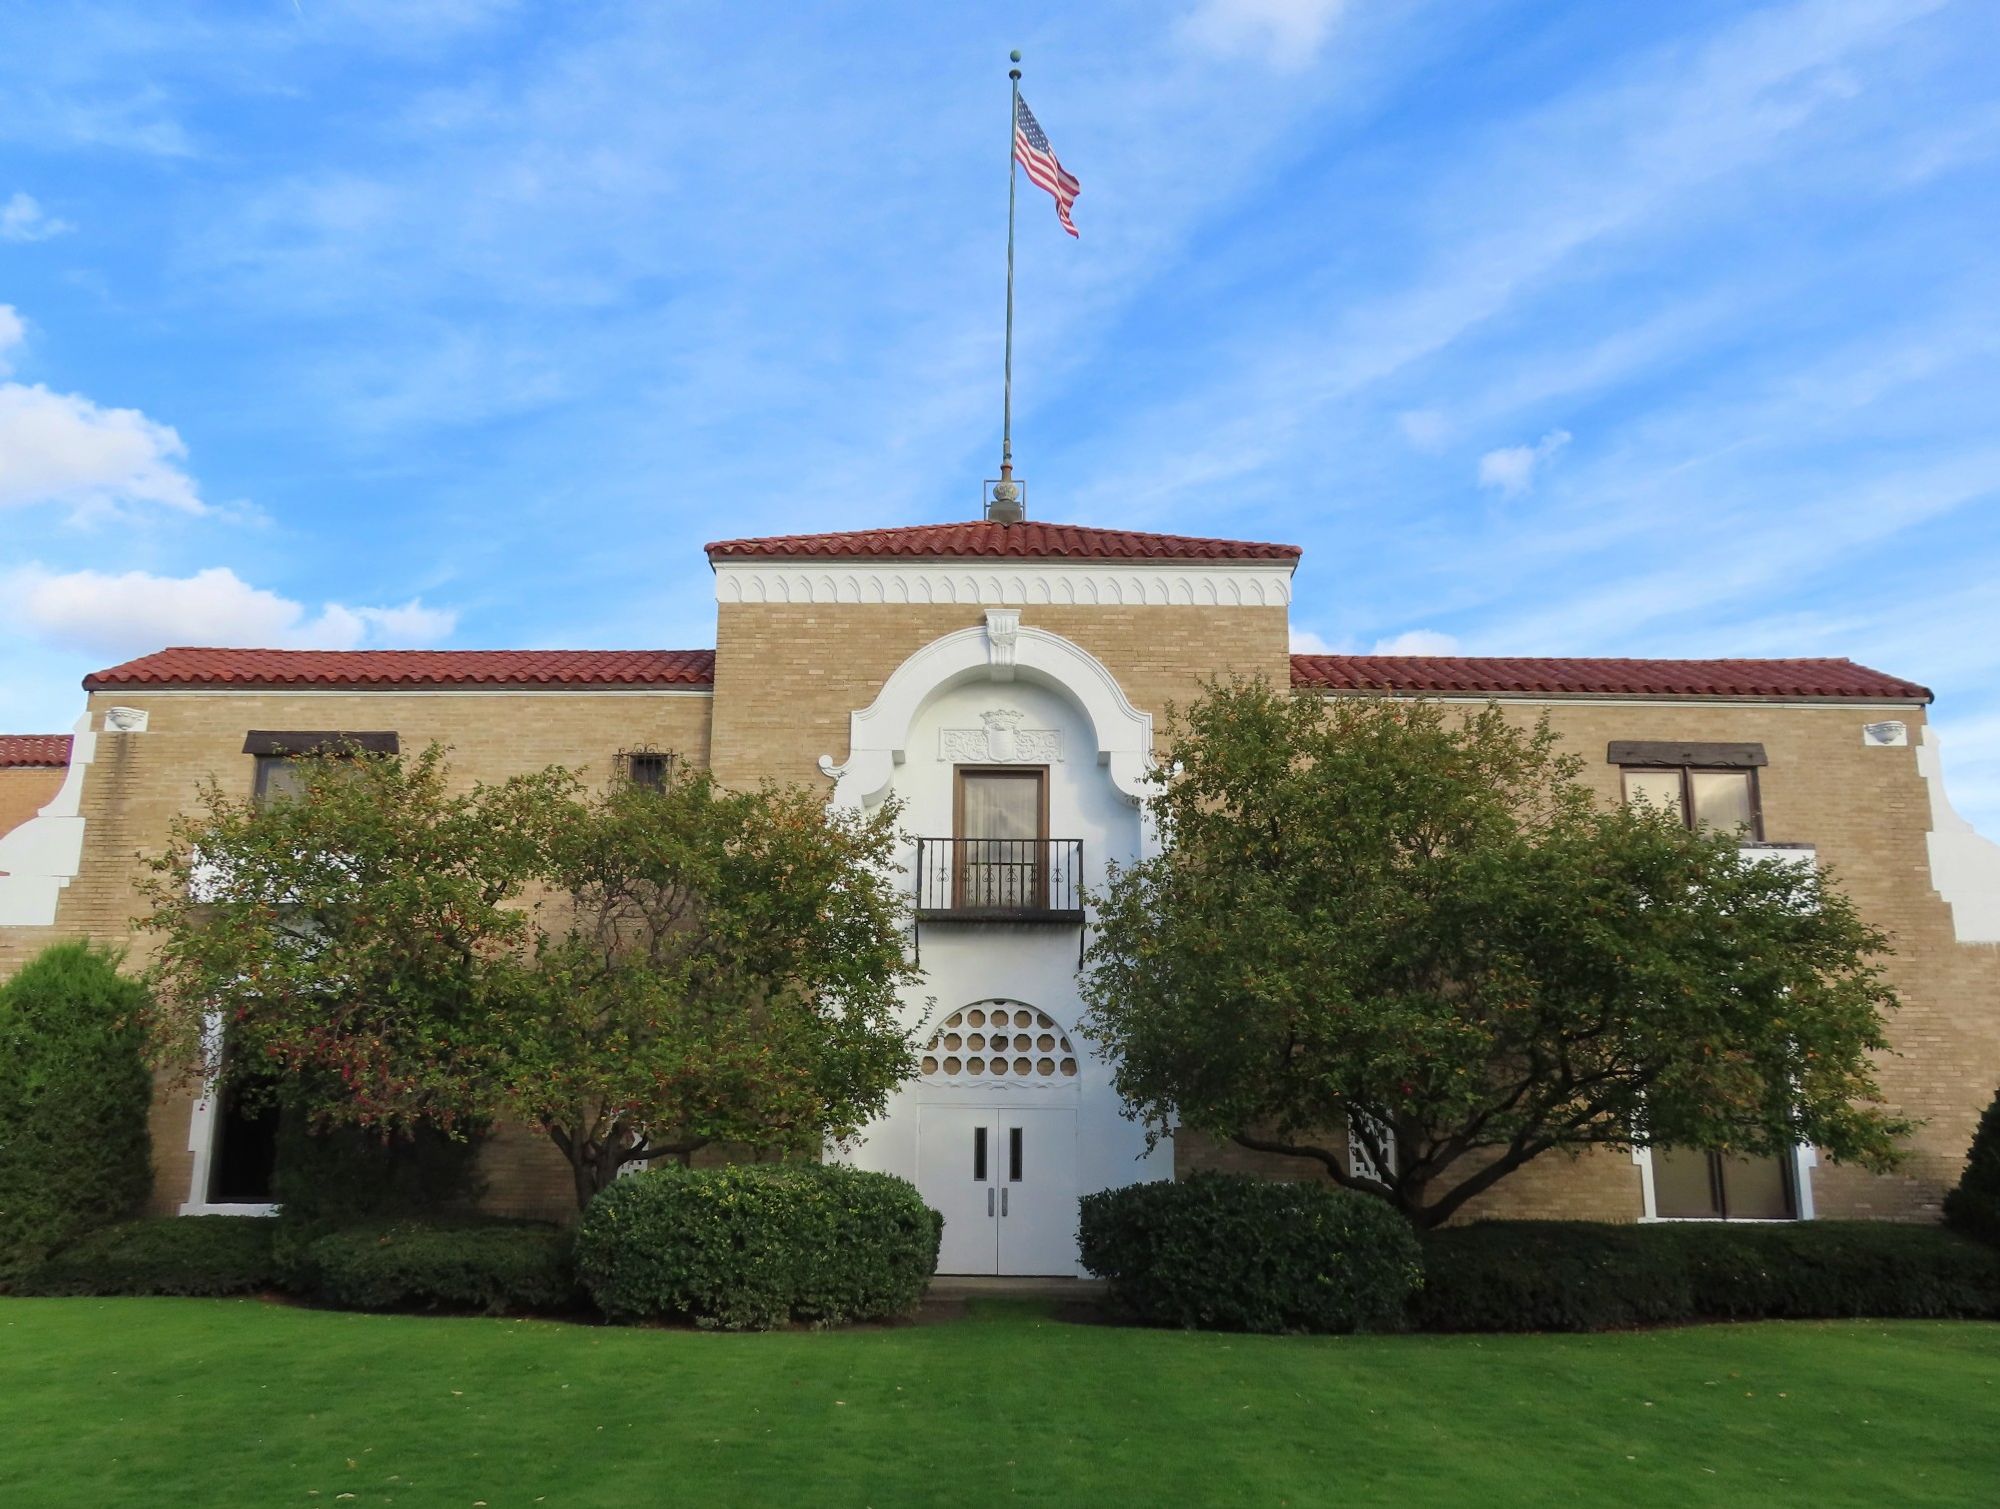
column 787, row 677
column 24, row 790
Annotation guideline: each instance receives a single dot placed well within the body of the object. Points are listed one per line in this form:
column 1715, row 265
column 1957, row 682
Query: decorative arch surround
column 999, row 1042
column 1000, row 650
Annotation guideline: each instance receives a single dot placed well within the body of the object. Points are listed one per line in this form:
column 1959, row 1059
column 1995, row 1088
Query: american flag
column 1033, row 152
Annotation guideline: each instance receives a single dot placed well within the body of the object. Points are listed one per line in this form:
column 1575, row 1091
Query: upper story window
column 280, row 774
column 1704, row 785
column 648, row 769
column 1001, row 824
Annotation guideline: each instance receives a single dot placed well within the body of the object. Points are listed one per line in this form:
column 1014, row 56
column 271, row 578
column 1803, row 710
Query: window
column 1003, row 820
column 647, row 769
column 278, row 753
column 279, row 778
column 1702, row 785
column 1690, row 1184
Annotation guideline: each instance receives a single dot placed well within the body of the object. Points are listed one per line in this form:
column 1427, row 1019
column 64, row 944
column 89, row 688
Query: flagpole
column 1007, row 387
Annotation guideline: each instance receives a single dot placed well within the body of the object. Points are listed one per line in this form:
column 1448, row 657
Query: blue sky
column 1588, row 328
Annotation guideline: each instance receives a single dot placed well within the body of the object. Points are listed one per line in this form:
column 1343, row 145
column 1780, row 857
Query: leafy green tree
column 725, row 968
column 74, row 1091
column 1380, row 915
column 637, row 973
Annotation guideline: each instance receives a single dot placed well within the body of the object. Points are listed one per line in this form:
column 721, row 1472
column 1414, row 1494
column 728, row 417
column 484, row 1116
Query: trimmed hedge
column 74, row 1092
column 751, row 1247
column 1974, row 1207
column 1225, row 1252
column 200, row 1256
column 495, row 1267
column 1581, row 1276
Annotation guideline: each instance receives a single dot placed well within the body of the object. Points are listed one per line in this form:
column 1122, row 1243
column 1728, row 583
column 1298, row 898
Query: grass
column 111, row 1402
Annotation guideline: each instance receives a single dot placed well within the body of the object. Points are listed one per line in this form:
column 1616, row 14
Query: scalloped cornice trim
column 1094, row 584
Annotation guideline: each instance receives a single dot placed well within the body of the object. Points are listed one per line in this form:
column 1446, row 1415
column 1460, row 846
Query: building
column 1005, row 680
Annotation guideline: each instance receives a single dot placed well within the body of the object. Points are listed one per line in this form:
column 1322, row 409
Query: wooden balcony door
column 1002, row 825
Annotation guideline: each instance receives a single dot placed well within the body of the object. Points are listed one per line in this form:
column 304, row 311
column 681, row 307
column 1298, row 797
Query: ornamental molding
column 1000, row 740
column 1083, row 584
column 1118, row 733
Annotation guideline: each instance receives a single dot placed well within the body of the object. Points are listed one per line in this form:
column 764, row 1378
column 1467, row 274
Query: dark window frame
column 1718, row 1187
column 962, row 865
column 1687, row 773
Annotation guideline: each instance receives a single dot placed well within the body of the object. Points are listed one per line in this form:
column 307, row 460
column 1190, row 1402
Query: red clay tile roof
column 1030, row 540
column 1567, row 677
column 33, row 749
column 495, row 668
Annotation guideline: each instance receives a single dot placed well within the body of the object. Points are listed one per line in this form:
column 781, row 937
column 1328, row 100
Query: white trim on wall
column 42, row 856
column 1012, row 583
column 204, row 1126
column 1002, row 649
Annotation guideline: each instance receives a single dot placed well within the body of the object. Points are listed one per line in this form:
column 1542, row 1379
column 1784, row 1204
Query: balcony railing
column 1000, row 879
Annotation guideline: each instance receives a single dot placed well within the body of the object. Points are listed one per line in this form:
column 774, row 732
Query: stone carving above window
column 1000, row 740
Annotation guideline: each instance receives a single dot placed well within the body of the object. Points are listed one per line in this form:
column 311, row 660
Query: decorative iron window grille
column 650, row 769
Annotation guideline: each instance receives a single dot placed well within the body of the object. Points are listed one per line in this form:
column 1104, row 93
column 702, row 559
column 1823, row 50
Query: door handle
column 989, row 1203
column 1003, row 1202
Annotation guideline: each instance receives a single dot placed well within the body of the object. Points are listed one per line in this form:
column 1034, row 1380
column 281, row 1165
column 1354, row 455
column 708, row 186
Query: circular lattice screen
column 999, row 1040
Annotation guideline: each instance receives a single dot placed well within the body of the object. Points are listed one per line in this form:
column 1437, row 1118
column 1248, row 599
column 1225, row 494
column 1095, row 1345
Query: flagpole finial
column 1014, row 57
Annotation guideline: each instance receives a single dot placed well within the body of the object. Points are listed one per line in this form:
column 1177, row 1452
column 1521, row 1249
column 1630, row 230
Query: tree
column 636, row 972
column 1973, row 1207
column 726, row 970
column 1380, row 916
column 74, row 1092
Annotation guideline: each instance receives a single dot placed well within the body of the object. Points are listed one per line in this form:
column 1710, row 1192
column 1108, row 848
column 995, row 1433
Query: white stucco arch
column 1000, row 650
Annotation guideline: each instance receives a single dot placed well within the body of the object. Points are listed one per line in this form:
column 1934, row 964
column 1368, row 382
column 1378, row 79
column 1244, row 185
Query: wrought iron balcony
column 1000, row 880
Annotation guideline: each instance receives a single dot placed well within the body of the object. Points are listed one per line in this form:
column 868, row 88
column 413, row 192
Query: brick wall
column 25, row 790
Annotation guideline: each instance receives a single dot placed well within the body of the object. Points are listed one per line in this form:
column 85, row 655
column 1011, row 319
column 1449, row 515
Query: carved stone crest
column 1001, row 740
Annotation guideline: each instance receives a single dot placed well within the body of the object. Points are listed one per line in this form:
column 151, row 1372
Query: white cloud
column 1511, row 469
column 1416, row 642
column 12, row 333
column 135, row 612
column 62, row 448
column 23, row 219
column 1287, row 33
column 1306, row 642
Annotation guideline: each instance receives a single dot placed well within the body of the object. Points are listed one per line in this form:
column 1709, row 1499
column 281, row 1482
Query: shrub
column 1579, row 1276
column 1974, row 1207
column 497, row 1267
column 74, row 1092
column 340, row 1177
column 749, row 1247
column 185, row 1255
column 1224, row 1252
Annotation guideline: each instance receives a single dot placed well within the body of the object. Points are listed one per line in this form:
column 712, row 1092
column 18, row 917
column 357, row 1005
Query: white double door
column 1005, row 1182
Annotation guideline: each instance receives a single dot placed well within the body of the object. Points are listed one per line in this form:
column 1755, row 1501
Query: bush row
column 741, row 1248
column 757, row 1247
column 1578, row 1276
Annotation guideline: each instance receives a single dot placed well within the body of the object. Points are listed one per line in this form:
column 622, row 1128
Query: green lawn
column 108, row 1402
